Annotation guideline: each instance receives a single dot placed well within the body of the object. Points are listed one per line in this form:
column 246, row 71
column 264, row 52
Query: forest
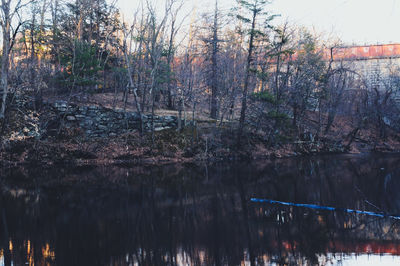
column 198, row 132
column 184, row 86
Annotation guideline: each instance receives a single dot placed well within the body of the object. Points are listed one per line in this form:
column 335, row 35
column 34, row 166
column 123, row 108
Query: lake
column 202, row 215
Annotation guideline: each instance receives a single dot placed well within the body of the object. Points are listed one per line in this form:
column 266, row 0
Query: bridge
column 374, row 63
column 365, row 52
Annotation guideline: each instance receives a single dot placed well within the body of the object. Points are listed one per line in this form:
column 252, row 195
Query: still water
column 202, row 215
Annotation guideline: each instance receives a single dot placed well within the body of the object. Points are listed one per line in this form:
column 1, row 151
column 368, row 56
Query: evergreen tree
column 250, row 13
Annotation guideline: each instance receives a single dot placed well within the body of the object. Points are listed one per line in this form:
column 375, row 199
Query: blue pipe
column 318, row 207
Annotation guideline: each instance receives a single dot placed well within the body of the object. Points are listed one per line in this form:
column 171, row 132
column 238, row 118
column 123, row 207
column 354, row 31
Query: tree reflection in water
column 186, row 215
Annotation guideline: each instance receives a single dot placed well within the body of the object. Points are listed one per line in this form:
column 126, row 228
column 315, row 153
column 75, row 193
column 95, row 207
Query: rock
column 88, row 122
column 82, row 108
column 59, row 104
column 161, row 128
column 169, row 118
column 105, row 117
column 33, row 134
column 102, row 127
column 387, row 121
column 97, row 121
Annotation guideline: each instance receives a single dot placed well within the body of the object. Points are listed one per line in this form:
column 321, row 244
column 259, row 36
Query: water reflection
column 187, row 215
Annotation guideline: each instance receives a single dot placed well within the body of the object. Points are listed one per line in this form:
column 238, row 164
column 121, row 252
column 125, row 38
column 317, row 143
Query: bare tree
column 214, row 73
column 154, row 43
column 125, row 51
column 10, row 10
column 175, row 26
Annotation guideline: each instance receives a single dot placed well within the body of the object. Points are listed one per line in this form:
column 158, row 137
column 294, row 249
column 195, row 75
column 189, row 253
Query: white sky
column 353, row 21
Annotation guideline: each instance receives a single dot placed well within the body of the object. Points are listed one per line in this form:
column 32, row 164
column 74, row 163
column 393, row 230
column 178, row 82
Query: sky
column 353, row 21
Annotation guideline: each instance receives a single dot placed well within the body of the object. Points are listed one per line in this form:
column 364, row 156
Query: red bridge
column 367, row 52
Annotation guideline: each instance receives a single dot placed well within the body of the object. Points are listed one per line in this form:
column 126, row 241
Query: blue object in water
column 318, row 207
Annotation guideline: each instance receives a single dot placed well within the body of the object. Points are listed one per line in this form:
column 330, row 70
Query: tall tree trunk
column 247, row 78
column 5, row 61
column 214, row 76
column 32, row 63
column 131, row 84
column 169, row 63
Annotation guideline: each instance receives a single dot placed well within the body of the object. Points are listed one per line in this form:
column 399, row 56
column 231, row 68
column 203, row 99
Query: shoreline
column 159, row 160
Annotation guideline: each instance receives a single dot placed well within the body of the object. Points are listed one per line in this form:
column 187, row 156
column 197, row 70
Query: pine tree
column 254, row 9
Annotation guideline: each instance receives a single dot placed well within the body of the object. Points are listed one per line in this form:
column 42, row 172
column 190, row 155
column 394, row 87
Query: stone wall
column 97, row 121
